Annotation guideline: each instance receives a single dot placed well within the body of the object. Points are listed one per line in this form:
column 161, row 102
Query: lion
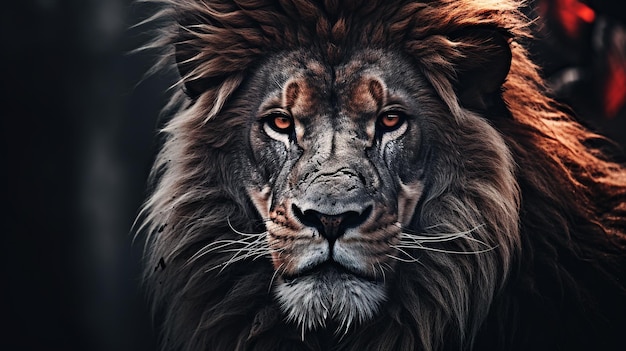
column 376, row 175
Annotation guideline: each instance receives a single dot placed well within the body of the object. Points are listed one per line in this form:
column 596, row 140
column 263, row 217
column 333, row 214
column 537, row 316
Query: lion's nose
column 331, row 227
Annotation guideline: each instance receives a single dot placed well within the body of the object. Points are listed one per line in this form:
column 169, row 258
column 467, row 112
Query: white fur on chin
column 346, row 299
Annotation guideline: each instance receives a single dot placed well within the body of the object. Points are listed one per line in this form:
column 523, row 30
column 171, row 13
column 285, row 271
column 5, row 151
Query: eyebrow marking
column 368, row 96
column 377, row 91
column 292, row 91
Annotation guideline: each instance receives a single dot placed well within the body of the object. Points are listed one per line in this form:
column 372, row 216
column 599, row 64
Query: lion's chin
column 329, row 294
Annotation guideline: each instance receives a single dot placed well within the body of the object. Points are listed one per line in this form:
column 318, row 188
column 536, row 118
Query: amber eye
column 280, row 122
column 391, row 120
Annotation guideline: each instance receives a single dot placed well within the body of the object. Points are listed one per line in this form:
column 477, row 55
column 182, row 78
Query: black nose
column 331, row 227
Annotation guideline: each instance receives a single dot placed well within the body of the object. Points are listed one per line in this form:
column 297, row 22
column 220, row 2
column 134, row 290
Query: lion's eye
column 280, row 122
column 390, row 120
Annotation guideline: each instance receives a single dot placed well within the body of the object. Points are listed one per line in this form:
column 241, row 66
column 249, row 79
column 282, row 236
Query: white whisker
column 240, row 232
column 426, row 248
column 214, row 246
column 269, row 288
column 412, row 241
column 438, row 237
column 382, row 271
column 249, row 245
column 402, row 259
column 238, row 257
column 412, row 259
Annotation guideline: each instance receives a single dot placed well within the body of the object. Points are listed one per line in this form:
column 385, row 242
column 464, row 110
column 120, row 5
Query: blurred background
column 78, row 133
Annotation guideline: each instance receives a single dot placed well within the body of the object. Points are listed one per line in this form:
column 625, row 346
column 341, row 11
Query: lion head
column 339, row 157
column 345, row 175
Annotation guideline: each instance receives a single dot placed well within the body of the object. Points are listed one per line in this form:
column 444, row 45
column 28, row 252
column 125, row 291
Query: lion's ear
column 186, row 65
column 483, row 68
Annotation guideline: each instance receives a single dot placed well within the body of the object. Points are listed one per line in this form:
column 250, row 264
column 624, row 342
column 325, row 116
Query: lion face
column 340, row 161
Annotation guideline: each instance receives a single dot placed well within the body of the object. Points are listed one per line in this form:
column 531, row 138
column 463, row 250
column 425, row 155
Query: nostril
column 308, row 217
column 354, row 219
column 331, row 226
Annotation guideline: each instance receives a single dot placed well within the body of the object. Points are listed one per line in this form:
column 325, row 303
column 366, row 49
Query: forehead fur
column 217, row 39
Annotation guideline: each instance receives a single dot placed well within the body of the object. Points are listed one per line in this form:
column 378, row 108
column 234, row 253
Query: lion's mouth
column 328, row 270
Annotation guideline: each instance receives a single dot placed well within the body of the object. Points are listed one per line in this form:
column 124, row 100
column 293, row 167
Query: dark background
column 78, row 122
column 78, row 133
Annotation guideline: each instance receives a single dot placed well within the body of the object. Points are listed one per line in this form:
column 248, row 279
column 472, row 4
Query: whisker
column 230, row 225
column 260, row 253
column 414, row 260
column 238, row 257
column 218, row 244
column 269, row 288
column 408, row 239
column 426, row 248
column 232, row 260
column 399, row 225
column 249, row 245
column 436, row 237
column 382, row 271
column 211, row 247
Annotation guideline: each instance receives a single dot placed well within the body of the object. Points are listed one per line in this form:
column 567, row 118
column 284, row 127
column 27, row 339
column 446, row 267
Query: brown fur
column 560, row 277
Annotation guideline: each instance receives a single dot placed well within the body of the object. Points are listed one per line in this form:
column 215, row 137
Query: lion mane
column 515, row 168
